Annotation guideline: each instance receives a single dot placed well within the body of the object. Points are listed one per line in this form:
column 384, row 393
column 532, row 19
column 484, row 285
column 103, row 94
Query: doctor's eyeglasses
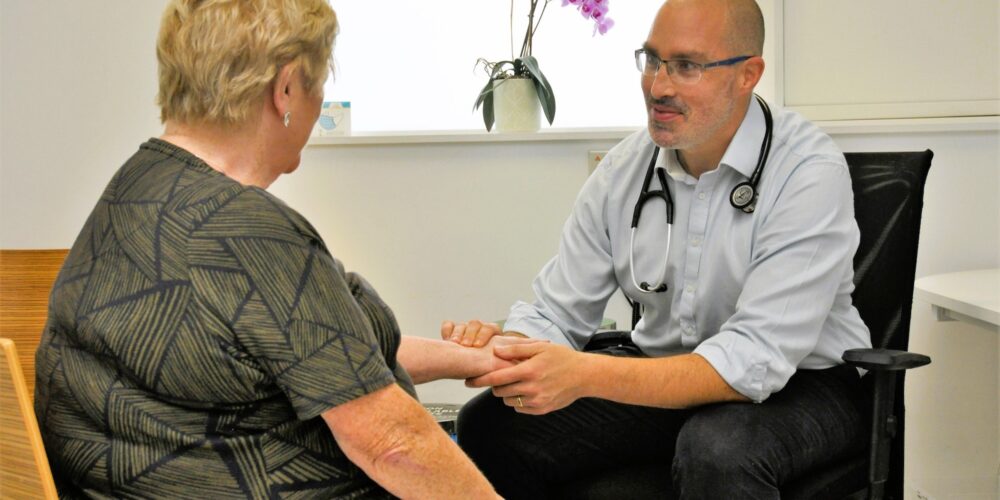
column 681, row 71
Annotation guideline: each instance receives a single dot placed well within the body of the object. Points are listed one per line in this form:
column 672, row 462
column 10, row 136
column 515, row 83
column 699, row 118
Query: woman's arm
column 398, row 444
column 428, row 359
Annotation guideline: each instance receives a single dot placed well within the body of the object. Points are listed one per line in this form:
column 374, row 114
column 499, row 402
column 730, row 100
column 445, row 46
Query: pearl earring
column 288, row 118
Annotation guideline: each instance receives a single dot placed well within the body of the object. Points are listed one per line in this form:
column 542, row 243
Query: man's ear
column 281, row 93
column 752, row 71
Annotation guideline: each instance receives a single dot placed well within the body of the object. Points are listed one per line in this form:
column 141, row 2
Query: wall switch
column 593, row 158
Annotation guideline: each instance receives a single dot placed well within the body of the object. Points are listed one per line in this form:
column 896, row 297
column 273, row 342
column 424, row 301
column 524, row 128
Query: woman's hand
column 475, row 333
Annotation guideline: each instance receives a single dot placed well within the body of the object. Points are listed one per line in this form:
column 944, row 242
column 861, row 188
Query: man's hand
column 544, row 377
column 475, row 333
column 491, row 361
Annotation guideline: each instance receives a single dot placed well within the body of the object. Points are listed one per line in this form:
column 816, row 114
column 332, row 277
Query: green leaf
column 486, row 100
column 487, row 90
column 488, row 111
column 545, row 95
column 547, row 99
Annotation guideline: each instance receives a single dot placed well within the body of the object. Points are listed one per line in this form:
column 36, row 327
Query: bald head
column 701, row 117
column 743, row 23
column 746, row 27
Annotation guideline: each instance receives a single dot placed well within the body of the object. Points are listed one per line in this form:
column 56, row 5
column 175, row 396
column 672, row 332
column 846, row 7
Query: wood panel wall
column 26, row 278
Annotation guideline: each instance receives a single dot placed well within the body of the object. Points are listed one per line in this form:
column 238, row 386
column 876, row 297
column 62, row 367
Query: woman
column 201, row 341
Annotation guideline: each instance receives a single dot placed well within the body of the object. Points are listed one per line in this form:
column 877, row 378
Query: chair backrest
column 888, row 200
column 24, row 467
column 26, row 278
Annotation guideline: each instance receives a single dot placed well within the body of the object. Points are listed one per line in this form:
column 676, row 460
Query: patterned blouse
column 195, row 334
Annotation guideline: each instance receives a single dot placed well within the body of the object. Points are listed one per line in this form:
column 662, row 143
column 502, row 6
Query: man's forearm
column 680, row 381
column 547, row 377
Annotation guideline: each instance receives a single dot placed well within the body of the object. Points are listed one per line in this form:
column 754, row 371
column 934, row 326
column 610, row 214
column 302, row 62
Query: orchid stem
column 512, row 29
column 526, row 46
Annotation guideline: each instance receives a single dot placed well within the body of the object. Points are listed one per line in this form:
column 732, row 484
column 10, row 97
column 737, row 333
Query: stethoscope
column 743, row 197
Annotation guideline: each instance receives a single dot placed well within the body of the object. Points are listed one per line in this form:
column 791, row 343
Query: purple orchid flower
column 597, row 10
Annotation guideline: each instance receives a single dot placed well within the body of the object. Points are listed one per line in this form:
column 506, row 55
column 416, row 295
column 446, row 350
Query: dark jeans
column 732, row 450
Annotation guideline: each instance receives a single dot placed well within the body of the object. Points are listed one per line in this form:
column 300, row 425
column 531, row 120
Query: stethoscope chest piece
column 744, row 197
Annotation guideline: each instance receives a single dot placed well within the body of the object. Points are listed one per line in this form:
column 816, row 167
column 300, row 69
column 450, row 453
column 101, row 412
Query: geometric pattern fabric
column 196, row 332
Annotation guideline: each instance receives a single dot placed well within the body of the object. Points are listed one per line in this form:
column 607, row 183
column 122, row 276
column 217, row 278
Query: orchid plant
column 525, row 65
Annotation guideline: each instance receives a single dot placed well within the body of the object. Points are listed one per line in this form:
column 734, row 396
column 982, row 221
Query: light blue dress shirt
column 757, row 295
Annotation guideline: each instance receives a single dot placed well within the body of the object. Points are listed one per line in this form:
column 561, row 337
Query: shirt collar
column 744, row 149
column 668, row 160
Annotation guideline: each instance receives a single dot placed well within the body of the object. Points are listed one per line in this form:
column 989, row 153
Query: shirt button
column 696, row 241
column 689, row 289
column 701, row 196
column 689, row 328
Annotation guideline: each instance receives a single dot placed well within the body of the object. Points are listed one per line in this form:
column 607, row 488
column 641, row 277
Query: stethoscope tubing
column 646, row 287
column 645, row 194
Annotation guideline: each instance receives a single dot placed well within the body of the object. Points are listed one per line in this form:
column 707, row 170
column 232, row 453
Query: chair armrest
column 886, row 370
column 884, row 359
column 606, row 339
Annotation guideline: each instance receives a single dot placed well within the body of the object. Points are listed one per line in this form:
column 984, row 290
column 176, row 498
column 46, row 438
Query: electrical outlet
column 593, row 158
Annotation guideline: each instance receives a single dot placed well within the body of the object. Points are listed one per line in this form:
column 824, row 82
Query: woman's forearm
column 398, row 444
column 428, row 359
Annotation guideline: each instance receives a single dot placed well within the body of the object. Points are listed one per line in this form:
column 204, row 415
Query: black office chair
column 888, row 199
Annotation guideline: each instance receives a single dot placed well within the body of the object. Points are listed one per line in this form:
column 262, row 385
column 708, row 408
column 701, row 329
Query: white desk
column 971, row 296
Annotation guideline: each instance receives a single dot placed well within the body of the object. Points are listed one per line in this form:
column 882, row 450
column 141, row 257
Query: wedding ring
column 520, row 404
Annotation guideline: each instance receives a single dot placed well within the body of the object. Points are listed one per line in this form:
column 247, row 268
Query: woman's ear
column 281, row 93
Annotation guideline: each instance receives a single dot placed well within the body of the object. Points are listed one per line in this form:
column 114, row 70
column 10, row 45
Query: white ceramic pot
column 515, row 105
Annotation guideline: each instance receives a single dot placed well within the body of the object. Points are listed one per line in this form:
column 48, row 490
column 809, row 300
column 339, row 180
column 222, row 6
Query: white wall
column 76, row 99
column 448, row 230
column 442, row 231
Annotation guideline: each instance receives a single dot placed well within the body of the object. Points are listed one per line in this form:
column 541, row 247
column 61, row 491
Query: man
column 734, row 381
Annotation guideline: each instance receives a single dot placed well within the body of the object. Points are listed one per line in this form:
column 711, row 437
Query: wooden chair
column 24, row 467
column 26, row 278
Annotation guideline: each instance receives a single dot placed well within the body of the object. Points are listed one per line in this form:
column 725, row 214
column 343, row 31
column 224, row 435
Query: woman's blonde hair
column 218, row 57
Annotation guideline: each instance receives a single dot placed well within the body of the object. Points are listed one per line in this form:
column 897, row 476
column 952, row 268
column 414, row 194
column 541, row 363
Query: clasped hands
column 532, row 376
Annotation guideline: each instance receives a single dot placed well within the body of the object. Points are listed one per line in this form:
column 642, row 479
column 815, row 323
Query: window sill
column 832, row 127
column 473, row 136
